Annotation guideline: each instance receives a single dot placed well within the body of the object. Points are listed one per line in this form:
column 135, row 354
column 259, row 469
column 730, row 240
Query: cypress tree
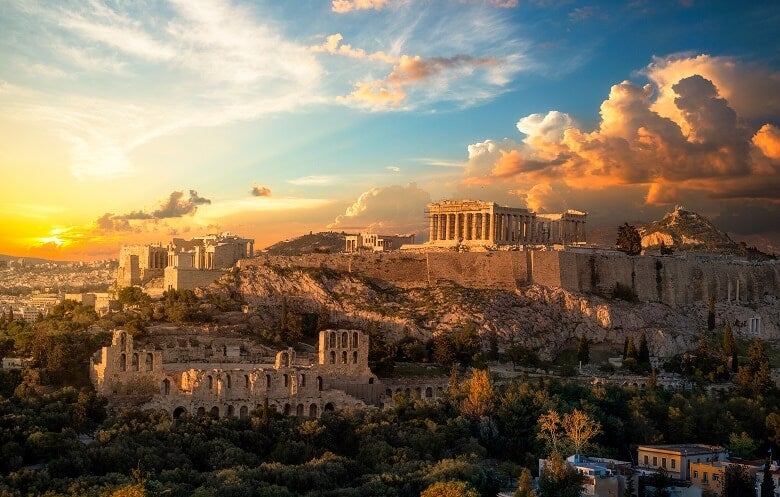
column 767, row 483
column 711, row 313
column 583, row 350
column 644, row 352
column 631, row 351
column 625, row 349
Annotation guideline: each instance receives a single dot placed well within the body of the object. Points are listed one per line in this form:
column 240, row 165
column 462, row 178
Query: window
column 211, row 382
column 674, row 463
column 344, row 357
column 303, row 380
column 655, row 461
column 286, row 380
column 646, row 462
column 704, row 477
column 355, row 339
column 332, row 357
column 695, row 474
column 714, row 477
column 229, row 383
column 663, row 462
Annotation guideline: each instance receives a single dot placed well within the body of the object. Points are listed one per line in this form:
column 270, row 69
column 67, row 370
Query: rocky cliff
column 543, row 318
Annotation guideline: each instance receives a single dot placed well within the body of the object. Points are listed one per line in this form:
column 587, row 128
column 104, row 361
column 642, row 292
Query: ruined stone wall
column 180, row 379
column 188, row 279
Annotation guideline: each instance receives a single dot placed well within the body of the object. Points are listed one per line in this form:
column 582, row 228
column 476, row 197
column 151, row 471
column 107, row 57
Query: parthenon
column 477, row 223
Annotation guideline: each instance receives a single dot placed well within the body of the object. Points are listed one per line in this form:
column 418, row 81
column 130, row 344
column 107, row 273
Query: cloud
column 394, row 169
column 311, row 180
column 386, row 210
column 344, row 6
column 333, row 45
column 260, row 191
column 415, row 70
column 693, row 144
column 174, row 206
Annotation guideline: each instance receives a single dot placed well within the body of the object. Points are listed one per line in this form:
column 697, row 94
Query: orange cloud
column 699, row 144
column 386, row 210
column 767, row 139
column 260, row 191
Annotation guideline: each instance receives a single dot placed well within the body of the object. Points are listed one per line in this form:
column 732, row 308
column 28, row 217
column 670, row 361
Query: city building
column 477, row 223
column 676, row 459
column 374, row 243
column 709, row 475
column 603, row 477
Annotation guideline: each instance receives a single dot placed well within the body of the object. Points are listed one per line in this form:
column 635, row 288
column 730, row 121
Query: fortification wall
column 673, row 280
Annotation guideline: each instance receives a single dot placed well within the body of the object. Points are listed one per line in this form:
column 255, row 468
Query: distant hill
column 325, row 241
column 683, row 230
column 29, row 260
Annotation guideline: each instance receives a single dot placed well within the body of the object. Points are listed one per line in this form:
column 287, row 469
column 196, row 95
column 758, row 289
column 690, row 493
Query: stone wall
column 673, row 280
column 189, row 279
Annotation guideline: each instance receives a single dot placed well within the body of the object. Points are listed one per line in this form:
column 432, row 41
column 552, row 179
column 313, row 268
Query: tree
column 631, row 352
column 450, row 489
column 730, row 346
column 549, row 428
column 767, row 482
column 480, row 397
column 583, row 350
column 580, row 429
column 132, row 295
column 737, row 482
column 643, row 356
column 711, row 313
column 628, row 240
column 558, row 479
column 742, row 445
column 625, row 348
column 525, row 484
column 629, row 490
column 755, row 378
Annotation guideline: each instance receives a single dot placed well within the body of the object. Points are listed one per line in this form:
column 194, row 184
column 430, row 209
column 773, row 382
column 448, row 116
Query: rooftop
column 684, row 448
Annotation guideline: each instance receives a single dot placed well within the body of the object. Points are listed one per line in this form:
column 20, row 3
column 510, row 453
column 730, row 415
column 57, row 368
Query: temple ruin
column 483, row 224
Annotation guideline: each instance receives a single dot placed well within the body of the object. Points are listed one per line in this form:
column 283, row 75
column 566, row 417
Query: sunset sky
column 128, row 122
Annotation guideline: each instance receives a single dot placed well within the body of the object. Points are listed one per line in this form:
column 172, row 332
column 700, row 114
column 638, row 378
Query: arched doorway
column 328, row 407
column 179, row 412
column 215, row 412
column 313, row 411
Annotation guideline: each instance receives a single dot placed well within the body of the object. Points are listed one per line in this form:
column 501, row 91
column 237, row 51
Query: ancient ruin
column 183, row 264
column 476, row 223
column 197, row 373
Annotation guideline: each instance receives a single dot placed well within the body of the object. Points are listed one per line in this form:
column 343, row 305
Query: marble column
column 458, row 226
column 486, row 226
column 432, row 230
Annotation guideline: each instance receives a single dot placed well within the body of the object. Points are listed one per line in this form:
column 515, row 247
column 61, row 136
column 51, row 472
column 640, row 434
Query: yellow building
column 710, row 475
column 676, row 459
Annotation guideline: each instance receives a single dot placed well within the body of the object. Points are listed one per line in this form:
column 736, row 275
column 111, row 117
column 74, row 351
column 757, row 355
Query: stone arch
column 166, row 386
column 215, row 412
column 122, row 362
column 149, row 361
column 343, row 357
column 268, row 381
column 299, row 410
column 243, row 412
column 332, row 357
column 286, row 380
column 328, row 407
column 211, row 382
column 408, row 392
column 134, row 362
column 332, row 340
column 319, row 383
column 428, row 392
column 231, row 411
column 371, row 381
column 287, row 409
column 313, row 411
column 302, row 381
column 418, row 392
column 179, row 412
column 201, row 411
column 354, row 357
column 344, row 338
column 355, row 339
column 228, row 381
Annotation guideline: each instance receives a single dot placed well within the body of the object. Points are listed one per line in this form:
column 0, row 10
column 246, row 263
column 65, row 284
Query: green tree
column 629, row 240
column 450, row 489
column 737, row 482
column 631, row 352
column 579, row 429
column 558, row 479
column 583, row 350
column 711, row 313
column 754, row 378
column 742, row 445
column 767, row 482
column 629, row 490
column 525, row 484
column 132, row 296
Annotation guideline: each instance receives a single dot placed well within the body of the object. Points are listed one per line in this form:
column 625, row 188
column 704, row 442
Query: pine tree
column 629, row 491
column 525, row 484
column 583, row 350
column 767, row 483
column 643, row 357
column 631, row 351
column 711, row 313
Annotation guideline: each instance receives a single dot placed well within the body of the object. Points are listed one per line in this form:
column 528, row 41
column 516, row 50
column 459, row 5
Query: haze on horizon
column 129, row 123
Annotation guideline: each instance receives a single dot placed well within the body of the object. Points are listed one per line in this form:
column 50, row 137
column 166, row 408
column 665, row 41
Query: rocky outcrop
column 545, row 319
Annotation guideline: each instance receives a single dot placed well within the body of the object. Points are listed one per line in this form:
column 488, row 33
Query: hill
column 323, row 242
column 29, row 260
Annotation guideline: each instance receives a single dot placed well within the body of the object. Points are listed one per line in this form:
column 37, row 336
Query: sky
column 139, row 121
